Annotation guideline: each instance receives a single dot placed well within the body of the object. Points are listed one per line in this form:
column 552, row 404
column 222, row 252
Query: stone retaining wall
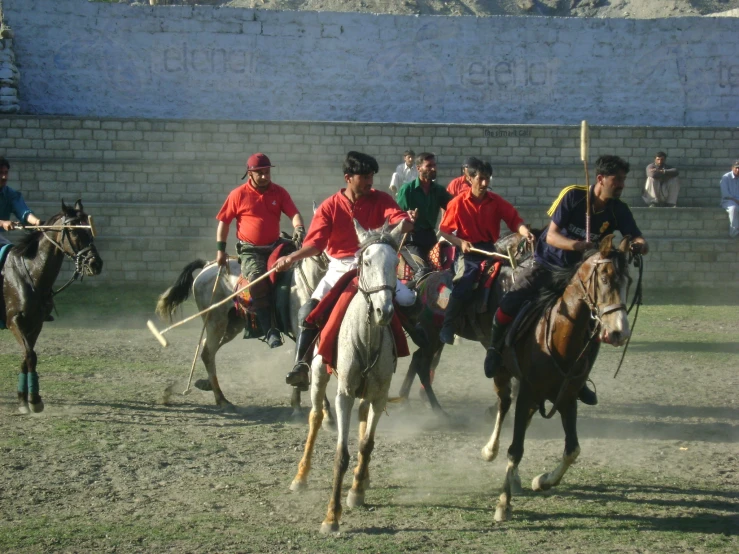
column 156, row 185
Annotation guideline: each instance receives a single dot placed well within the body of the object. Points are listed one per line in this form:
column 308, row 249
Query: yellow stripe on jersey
column 565, row 190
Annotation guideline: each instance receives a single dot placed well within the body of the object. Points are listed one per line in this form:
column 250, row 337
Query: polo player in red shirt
column 332, row 232
column 472, row 219
column 257, row 206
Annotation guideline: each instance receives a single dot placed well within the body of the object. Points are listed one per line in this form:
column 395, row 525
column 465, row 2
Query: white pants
column 662, row 193
column 733, row 212
column 339, row 266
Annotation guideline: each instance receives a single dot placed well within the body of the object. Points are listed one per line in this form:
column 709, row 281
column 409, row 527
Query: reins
column 637, row 300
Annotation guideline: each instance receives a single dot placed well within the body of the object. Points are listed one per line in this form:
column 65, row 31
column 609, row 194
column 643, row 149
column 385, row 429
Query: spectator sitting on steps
column 662, row 184
column 730, row 198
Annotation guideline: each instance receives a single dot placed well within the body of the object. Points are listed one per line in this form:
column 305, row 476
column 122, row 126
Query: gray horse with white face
column 365, row 362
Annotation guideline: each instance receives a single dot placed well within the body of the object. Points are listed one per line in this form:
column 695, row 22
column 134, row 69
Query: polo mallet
column 584, row 147
column 91, row 227
column 205, row 323
column 159, row 334
column 510, row 257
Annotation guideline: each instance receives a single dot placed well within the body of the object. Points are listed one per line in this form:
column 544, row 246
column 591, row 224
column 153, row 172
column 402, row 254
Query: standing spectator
column 662, row 184
column 730, row 198
column 425, row 199
column 460, row 184
column 257, row 206
column 404, row 173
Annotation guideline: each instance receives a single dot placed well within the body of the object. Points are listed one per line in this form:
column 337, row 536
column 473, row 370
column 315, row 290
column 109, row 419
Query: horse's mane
column 27, row 246
column 561, row 277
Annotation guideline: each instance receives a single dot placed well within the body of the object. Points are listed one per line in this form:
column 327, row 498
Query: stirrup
column 273, row 339
column 587, row 396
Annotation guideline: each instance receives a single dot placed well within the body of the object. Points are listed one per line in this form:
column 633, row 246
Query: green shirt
column 411, row 197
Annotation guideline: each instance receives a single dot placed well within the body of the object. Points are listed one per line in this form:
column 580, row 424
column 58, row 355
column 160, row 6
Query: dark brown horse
column 29, row 273
column 476, row 325
column 552, row 357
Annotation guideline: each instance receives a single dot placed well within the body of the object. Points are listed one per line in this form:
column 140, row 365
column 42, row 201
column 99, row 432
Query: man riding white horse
column 331, row 232
column 257, row 206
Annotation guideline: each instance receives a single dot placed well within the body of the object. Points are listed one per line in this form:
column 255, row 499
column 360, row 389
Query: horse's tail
column 175, row 295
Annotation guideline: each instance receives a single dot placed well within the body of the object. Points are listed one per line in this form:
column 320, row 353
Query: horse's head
column 76, row 242
column 378, row 266
column 604, row 284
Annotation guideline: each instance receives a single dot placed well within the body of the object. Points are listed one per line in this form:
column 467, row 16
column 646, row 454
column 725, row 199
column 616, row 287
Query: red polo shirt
column 458, row 186
column 257, row 213
column 479, row 221
column 332, row 228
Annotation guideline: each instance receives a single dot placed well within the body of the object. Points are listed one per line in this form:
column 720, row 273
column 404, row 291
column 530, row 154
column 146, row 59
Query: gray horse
column 223, row 325
column 365, row 362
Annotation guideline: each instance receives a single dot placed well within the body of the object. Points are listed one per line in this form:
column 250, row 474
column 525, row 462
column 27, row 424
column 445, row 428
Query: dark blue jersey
column 568, row 213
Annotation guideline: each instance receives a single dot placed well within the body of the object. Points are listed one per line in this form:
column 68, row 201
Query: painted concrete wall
column 156, row 185
column 116, row 60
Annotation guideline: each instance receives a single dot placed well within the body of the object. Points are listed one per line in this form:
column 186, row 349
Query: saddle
column 328, row 315
column 246, row 305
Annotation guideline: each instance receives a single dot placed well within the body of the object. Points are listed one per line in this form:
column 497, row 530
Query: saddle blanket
column 244, row 302
column 329, row 314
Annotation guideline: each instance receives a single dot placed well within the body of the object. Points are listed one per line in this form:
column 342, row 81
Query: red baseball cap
column 257, row 161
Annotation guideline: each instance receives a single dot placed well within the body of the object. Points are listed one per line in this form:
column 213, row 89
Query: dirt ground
column 636, row 9
column 108, row 468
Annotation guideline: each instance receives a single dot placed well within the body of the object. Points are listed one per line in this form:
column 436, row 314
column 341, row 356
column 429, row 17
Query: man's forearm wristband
column 221, row 245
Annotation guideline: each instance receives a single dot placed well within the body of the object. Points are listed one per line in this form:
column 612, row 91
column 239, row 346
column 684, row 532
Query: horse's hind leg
column 344, row 403
column 515, row 453
column 315, row 418
column 546, row 481
column 366, row 446
column 410, row 375
column 214, row 340
column 362, row 413
column 28, row 390
column 490, row 450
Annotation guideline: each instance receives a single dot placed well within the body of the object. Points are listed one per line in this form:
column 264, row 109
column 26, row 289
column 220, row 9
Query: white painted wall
column 98, row 59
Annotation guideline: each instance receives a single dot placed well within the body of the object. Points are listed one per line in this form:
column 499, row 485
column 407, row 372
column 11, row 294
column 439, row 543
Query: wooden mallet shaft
column 159, row 334
column 584, row 147
column 491, row 254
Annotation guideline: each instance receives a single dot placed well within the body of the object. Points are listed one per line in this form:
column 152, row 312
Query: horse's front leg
column 28, row 384
column 410, row 375
column 319, row 381
column 546, row 481
column 503, row 390
column 515, row 453
column 344, row 403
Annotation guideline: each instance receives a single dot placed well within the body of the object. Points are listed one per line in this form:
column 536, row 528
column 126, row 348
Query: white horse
column 223, row 325
column 365, row 363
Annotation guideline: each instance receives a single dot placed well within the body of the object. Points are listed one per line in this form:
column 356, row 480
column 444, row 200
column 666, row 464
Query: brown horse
column 30, row 270
column 552, row 357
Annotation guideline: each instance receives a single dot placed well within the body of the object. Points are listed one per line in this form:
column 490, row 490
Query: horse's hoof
column 502, row 513
column 332, row 527
column 539, row 484
column 23, row 409
column 227, row 407
column 203, row 384
column 38, row 407
column 489, row 454
column 355, row 499
column 298, row 486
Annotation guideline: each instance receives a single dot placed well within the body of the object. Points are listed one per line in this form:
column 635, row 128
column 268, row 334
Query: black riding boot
column 494, row 358
column 587, row 396
column 271, row 335
column 453, row 310
column 298, row 376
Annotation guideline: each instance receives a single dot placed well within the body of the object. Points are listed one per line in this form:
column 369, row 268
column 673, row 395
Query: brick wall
column 156, row 185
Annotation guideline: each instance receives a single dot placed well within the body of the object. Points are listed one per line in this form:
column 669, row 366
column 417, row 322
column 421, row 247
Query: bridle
column 367, row 292
column 596, row 311
column 81, row 258
column 383, row 238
